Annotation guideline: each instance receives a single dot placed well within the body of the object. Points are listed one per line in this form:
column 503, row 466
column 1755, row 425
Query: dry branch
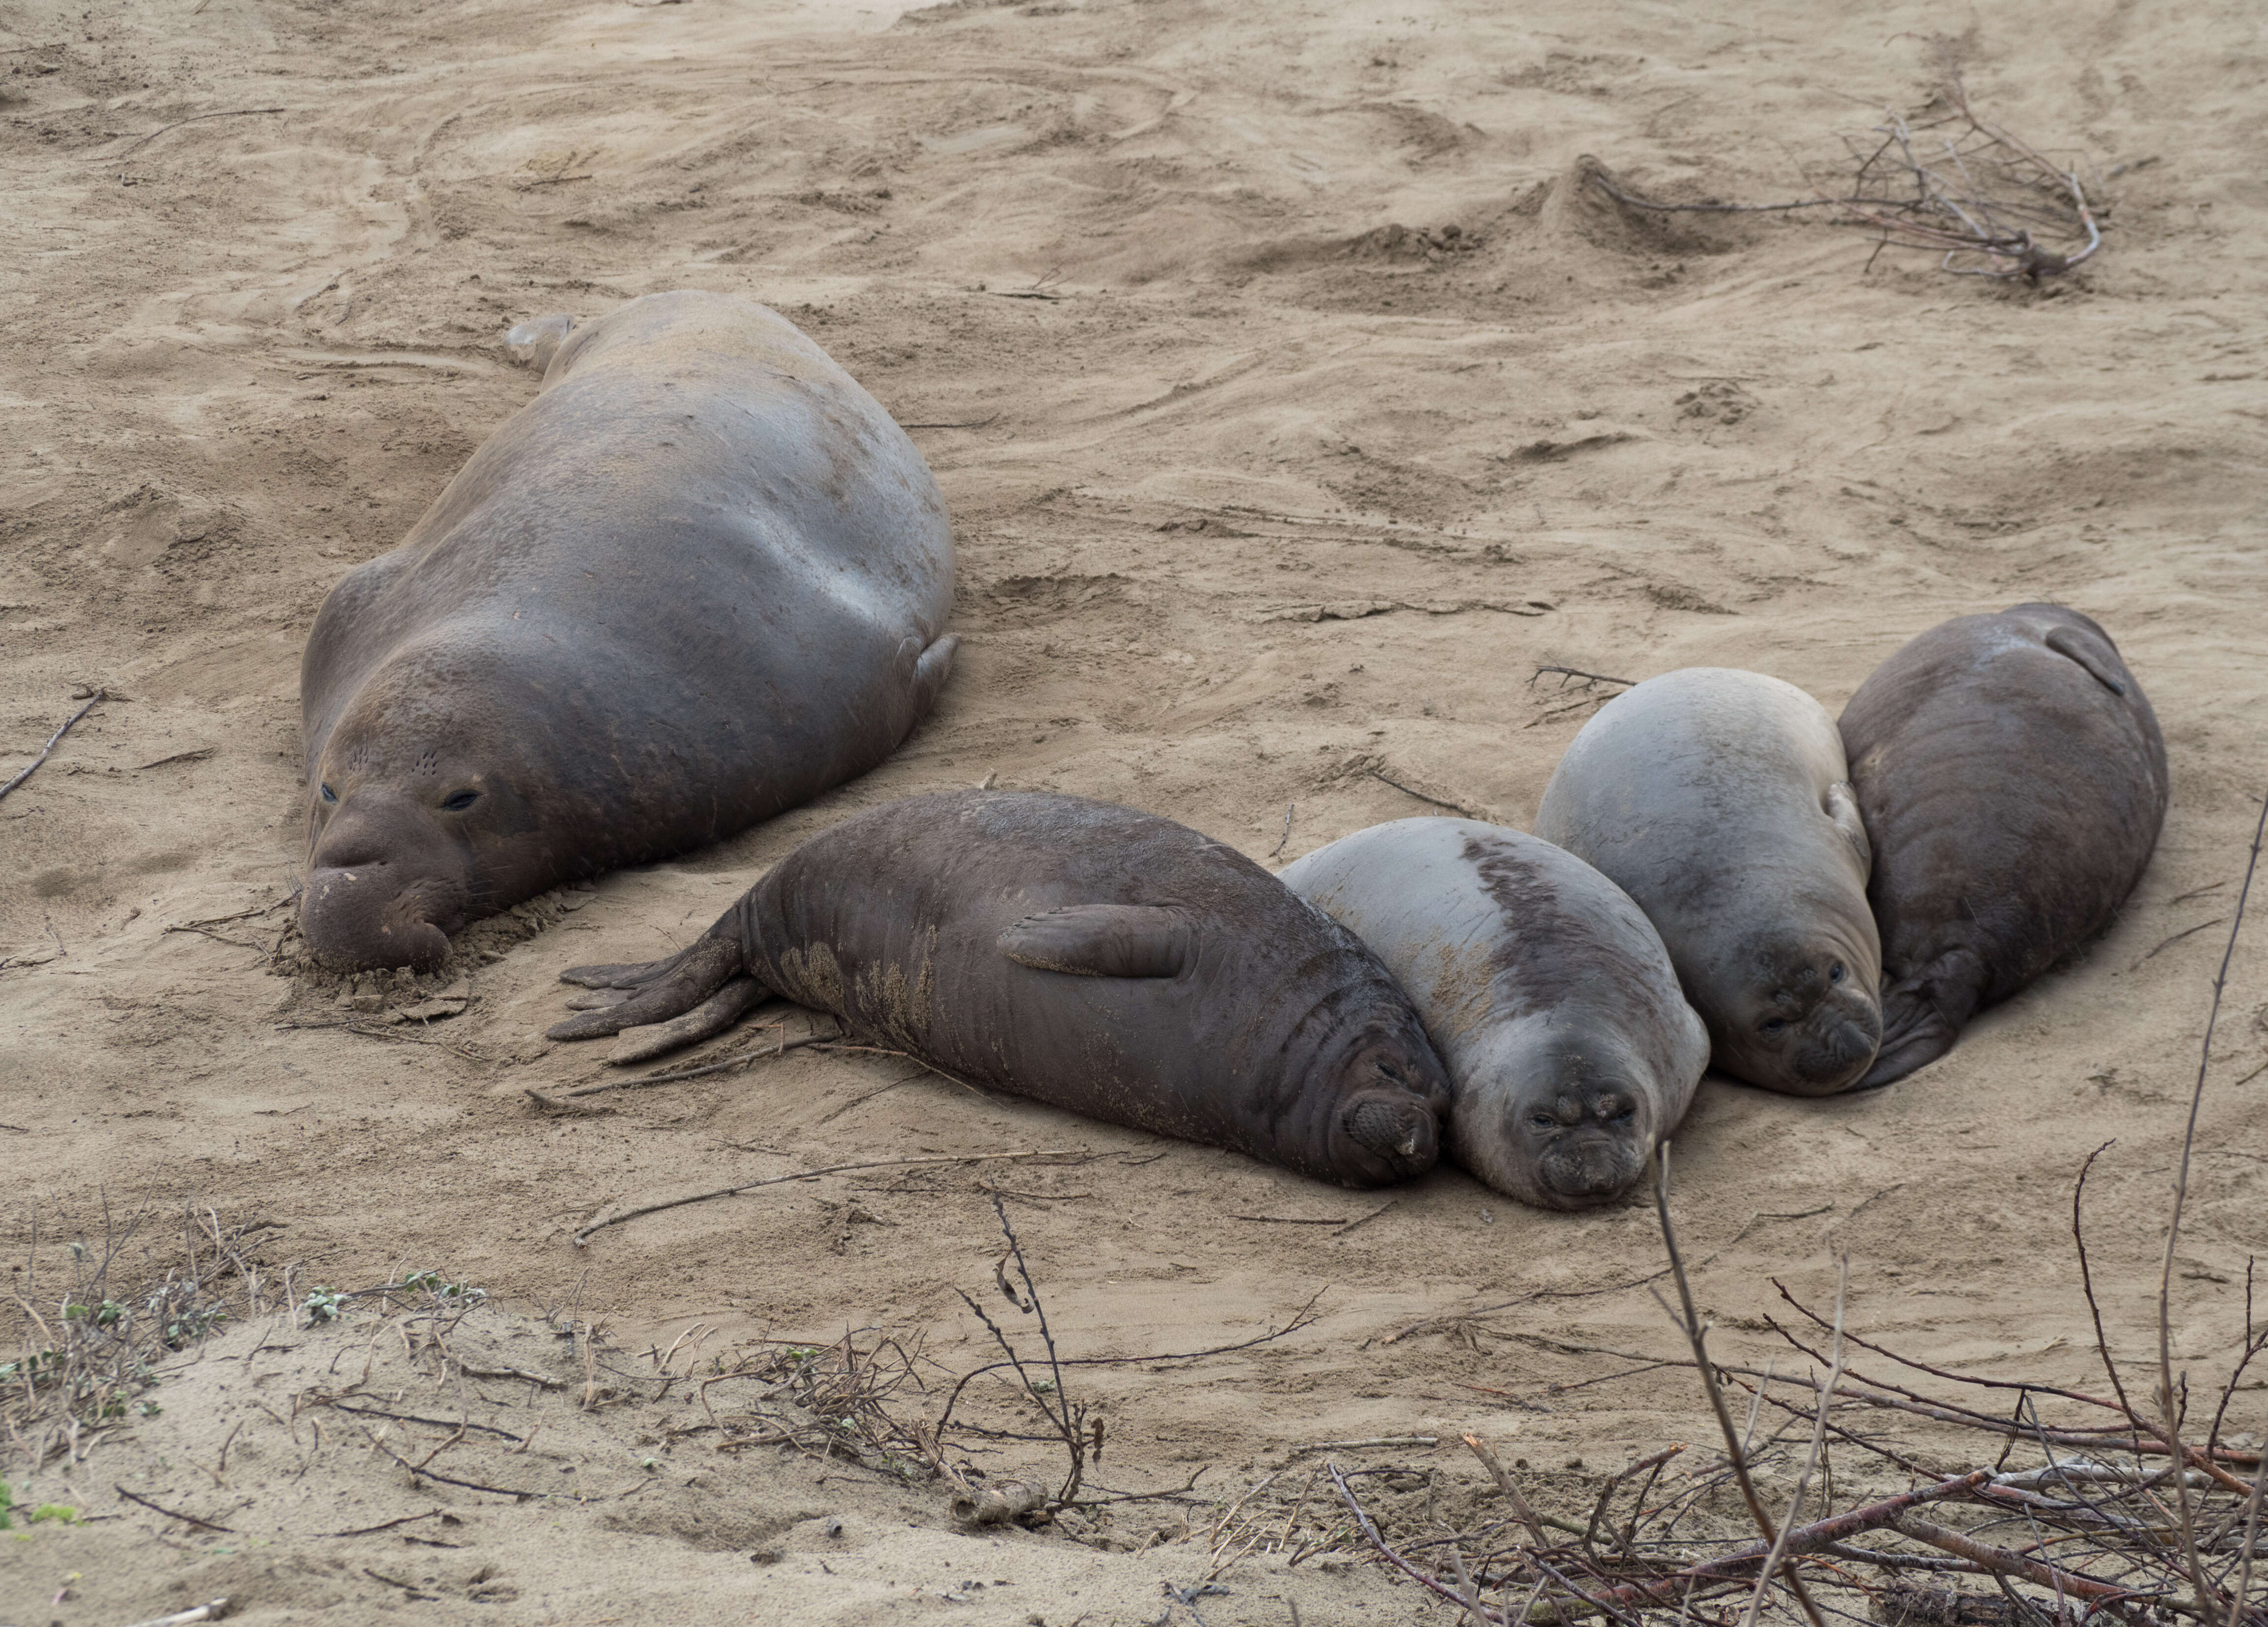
column 583, row 1236
column 2117, row 1518
column 33, row 767
column 1944, row 179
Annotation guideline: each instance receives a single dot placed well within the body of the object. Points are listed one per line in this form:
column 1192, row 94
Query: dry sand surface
column 1293, row 404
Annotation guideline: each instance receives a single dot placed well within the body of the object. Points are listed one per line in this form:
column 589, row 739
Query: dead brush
column 842, row 1400
column 87, row 1349
column 2133, row 1507
column 1943, row 179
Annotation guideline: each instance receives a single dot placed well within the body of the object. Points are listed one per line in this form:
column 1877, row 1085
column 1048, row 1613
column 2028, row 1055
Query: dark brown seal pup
column 2013, row 778
column 1102, row 960
column 699, row 579
column 1716, row 799
column 1545, row 991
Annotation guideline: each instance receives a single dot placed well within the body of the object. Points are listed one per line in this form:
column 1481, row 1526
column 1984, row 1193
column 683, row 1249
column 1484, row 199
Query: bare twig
column 1569, row 674
column 136, row 1497
column 1984, row 198
column 233, row 113
column 1370, row 1535
column 1455, row 807
column 1697, row 1336
column 430, row 1513
column 33, row 767
column 583, row 1236
column 2168, row 1415
column 1811, row 1463
column 780, row 1047
column 1510, row 1487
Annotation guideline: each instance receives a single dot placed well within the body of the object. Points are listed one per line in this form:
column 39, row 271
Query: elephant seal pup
column 1101, row 960
column 1545, row 991
column 2014, row 780
column 1717, row 799
column 700, row 578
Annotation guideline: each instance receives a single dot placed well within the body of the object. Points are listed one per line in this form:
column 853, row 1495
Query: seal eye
column 1835, row 973
column 460, row 801
column 329, row 795
column 1773, row 1025
column 1542, row 1121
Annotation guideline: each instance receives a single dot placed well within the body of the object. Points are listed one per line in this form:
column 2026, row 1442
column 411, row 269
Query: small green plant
column 434, row 1282
column 324, row 1305
column 147, row 1409
column 109, row 1314
column 189, row 1326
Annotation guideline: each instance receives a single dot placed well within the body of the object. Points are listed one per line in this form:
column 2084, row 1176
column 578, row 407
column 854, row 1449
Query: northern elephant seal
column 1718, row 801
column 1545, row 991
column 700, row 578
column 1102, row 960
column 2014, row 780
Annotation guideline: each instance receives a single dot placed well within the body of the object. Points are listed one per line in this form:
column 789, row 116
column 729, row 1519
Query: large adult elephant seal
column 699, row 579
column 1718, row 801
column 1104, row 961
column 1545, row 991
column 2014, row 780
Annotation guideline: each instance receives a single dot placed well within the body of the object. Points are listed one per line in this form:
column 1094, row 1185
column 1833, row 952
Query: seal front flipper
column 672, row 988
column 1841, row 807
column 2091, row 654
column 1103, row 940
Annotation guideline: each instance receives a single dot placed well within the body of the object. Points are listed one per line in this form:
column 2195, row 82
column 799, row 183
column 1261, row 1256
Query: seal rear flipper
column 617, row 976
column 666, row 989
column 934, row 666
column 1920, row 1040
column 719, row 1012
column 533, row 342
column 1841, row 807
column 1103, row 940
column 1923, row 1014
column 2077, row 645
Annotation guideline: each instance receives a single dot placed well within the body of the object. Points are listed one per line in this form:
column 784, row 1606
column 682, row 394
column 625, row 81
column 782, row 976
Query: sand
column 1271, row 493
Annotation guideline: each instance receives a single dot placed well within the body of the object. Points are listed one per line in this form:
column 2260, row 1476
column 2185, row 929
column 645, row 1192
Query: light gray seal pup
column 2014, row 780
column 1545, row 991
column 699, row 579
column 1099, row 959
column 1719, row 801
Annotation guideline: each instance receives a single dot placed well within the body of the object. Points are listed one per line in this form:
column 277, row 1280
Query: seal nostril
column 1396, row 1130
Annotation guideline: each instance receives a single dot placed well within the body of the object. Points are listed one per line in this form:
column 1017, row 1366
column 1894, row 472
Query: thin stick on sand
column 553, row 1098
column 1697, row 1336
column 2168, row 1405
column 99, row 694
column 583, row 1236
